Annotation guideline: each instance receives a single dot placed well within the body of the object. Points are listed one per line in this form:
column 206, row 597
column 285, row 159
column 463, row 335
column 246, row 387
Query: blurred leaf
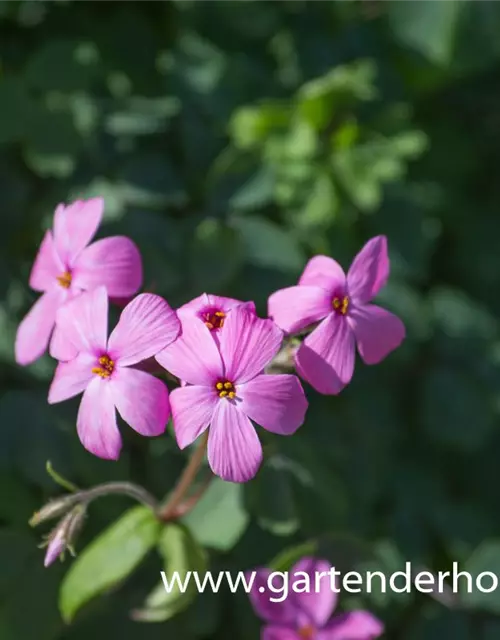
column 15, row 109
column 219, row 519
column 257, row 192
column 182, row 556
column 289, row 556
column 142, row 116
column 268, row 245
column 485, row 559
column 108, row 559
column 250, row 126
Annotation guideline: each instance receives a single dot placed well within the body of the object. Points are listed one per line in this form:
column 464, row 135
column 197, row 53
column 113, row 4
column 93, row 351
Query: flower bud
column 64, row 534
column 53, row 509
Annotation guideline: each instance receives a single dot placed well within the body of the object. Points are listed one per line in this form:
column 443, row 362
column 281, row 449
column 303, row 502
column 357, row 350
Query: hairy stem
column 123, row 488
column 168, row 509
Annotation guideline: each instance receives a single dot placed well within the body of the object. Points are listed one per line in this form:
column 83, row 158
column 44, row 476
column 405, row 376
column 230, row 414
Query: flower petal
column 275, row 612
column 84, row 321
column 194, row 356
column 75, row 225
column 355, row 625
column 275, row 402
column 247, row 344
column 208, row 301
column 113, row 262
column 47, row 265
column 71, row 378
column 234, row 449
column 147, row 325
column 54, row 549
column 60, row 348
column 33, row 333
column 326, row 357
column 96, row 422
column 324, row 272
column 279, row 633
column 369, row 271
column 192, row 410
column 377, row 331
column 141, row 400
column 295, row 308
column 320, row 600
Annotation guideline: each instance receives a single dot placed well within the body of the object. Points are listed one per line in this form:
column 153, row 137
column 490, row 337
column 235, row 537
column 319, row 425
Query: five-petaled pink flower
column 306, row 612
column 226, row 388
column 211, row 310
column 65, row 266
column 343, row 307
column 102, row 369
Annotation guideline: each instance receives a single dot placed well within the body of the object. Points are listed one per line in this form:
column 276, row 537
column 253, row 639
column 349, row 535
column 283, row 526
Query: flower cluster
column 219, row 348
column 307, row 614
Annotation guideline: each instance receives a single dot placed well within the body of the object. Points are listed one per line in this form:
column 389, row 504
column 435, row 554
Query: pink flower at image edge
column 66, row 265
column 309, row 616
column 343, row 307
column 103, row 369
column 226, row 388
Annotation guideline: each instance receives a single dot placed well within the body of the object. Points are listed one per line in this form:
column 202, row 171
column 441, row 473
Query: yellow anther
column 219, row 386
column 341, row 304
column 220, row 314
column 223, row 394
column 231, row 394
column 225, row 389
column 213, row 319
column 106, row 367
column 64, row 280
column 228, row 385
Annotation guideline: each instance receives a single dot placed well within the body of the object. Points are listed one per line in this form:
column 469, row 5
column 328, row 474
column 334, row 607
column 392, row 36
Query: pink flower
column 226, row 388
column 308, row 615
column 65, row 266
column 102, row 369
column 342, row 306
column 56, row 546
column 211, row 310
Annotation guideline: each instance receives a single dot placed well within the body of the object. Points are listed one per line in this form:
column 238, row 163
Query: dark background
column 231, row 141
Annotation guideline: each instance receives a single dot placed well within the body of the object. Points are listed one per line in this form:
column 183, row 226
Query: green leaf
column 486, row 558
column 289, row 556
column 109, row 559
column 268, row 245
column 219, row 519
column 250, row 126
column 257, row 192
column 427, row 26
column 182, row 556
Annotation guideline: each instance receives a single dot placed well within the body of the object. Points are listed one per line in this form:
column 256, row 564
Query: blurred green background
column 233, row 140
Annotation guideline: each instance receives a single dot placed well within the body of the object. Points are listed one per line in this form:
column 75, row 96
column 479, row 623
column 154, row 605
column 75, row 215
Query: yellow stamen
column 106, row 367
column 214, row 319
column 225, row 389
column 307, row 632
column 341, row 304
column 64, row 280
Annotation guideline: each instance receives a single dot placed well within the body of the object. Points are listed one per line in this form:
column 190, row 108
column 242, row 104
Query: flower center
column 105, row 368
column 64, row 280
column 340, row 304
column 225, row 389
column 213, row 319
column 307, row 632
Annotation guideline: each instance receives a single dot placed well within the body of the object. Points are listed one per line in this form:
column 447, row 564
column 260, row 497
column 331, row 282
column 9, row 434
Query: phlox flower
column 308, row 615
column 65, row 266
column 211, row 310
column 342, row 306
column 103, row 368
column 226, row 388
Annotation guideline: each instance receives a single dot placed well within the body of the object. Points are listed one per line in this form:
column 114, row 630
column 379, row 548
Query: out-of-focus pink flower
column 102, row 369
column 64, row 534
column 308, row 615
column 226, row 388
column 55, row 548
column 65, row 266
column 211, row 310
column 342, row 306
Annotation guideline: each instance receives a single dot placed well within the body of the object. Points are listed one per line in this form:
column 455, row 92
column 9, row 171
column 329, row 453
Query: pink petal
column 274, row 612
column 71, row 378
column 321, row 600
column 84, row 321
column 141, row 400
column 194, row 356
column 355, row 625
column 377, row 331
column 324, row 272
column 295, row 308
column 247, row 344
column 33, row 334
column 326, row 357
column 47, row 265
column 234, row 450
column 275, row 402
column 60, row 347
column 147, row 325
column 113, row 262
column 279, row 633
column 369, row 270
column 55, row 547
column 96, row 421
column 192, row 410
column 75, row 225
column 208, row 300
